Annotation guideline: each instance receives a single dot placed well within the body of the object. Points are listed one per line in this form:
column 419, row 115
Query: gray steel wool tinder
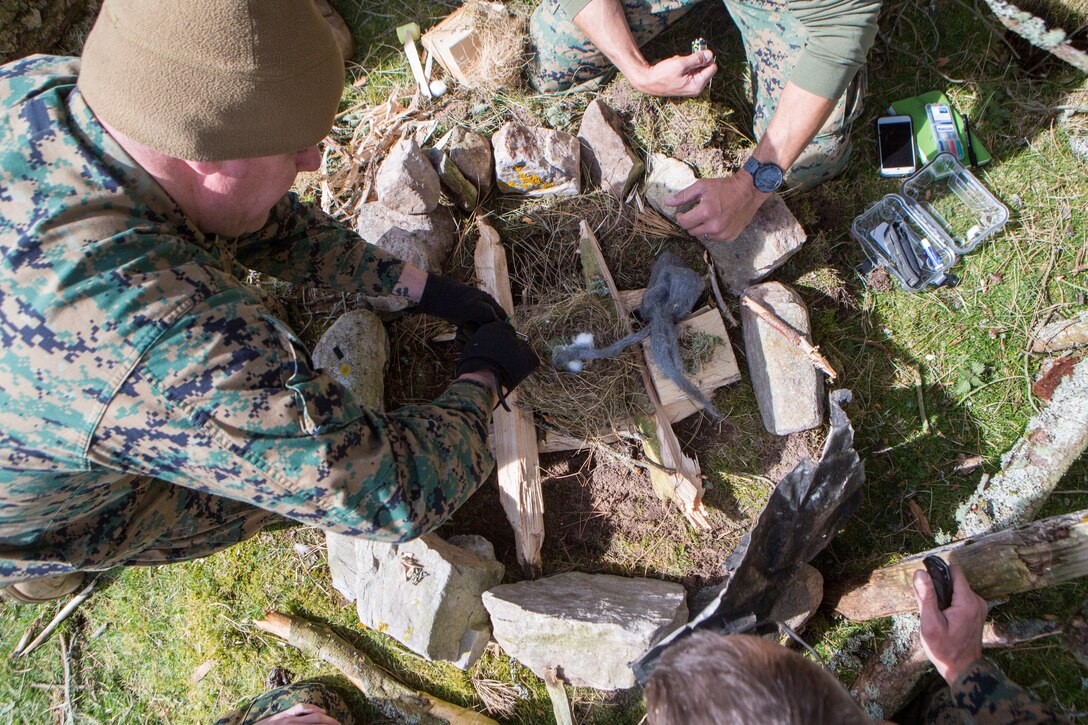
column 670, row 295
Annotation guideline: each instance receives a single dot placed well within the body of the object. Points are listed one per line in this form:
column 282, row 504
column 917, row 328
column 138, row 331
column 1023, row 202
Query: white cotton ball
column 583, row 339
column 575, row 366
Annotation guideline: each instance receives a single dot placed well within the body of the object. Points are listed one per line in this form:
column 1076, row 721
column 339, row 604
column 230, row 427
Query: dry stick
column 712, row 273
column 681, row 480
column 395, row 699
column 514, row 441
column 65, row 658
column 62, row 615
column 776, row 324
column 1042, row 554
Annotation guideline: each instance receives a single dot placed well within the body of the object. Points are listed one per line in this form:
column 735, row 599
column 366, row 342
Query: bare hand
column 952, row 639
column 725, row 207
column 301, row 714
column 681, row 76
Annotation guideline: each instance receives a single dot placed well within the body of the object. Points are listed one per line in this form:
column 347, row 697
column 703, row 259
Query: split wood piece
column 514, row 439
column 674, row 476
column 719, row 371
column 558, row 695
column 394, row 699
column 891, row 676
column 556, row 442
column 779, row 326
column 1053, row 440
column 1042, row 554
column 62, row 615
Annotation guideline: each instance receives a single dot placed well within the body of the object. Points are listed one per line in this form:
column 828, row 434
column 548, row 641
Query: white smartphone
column 895, row 141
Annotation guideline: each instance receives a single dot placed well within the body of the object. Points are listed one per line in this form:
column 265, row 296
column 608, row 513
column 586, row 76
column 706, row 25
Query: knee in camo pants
column 563, row 57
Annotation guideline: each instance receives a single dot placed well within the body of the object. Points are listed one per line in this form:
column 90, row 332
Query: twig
column 62, row 615
column 65, row 658
column 776, row 324
column 393, row 698
column 712, row 273
column 921, row 401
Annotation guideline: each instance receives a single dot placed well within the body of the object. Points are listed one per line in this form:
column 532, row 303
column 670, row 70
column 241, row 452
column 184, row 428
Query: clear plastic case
column 941, row 212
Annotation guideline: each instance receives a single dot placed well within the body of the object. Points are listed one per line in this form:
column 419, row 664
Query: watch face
column 767, row 177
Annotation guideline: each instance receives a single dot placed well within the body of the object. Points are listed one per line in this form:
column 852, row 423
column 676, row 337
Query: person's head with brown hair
column 711, row 679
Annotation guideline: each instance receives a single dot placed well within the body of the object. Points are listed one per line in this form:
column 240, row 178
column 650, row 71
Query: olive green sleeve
column 840, row 35
column 572, row 7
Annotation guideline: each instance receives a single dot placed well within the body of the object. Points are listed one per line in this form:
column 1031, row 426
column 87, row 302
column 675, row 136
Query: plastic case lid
column 957, row 201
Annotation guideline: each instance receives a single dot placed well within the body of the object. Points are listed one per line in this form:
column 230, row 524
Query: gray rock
column 612, row 165
column 459, row 189
column 426, row 594
column 424, row 240
column 355, row 351
column 801, row 598
column 772, row 237
column 537, row 161
column 342, row 563
column 788, row 388
column 472, row 154
column 666, row 177
column 406, row 182
column 589, row 625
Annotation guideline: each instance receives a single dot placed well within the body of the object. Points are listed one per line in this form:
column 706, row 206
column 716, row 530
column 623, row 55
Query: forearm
column 799, row 116
column 604, row 23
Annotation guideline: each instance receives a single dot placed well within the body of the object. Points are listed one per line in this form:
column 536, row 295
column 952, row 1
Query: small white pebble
column 575, row 366
column 930, row 358
column 583, row 339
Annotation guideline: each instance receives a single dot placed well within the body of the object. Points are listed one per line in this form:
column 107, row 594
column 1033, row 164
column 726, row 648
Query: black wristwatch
column 766, row 177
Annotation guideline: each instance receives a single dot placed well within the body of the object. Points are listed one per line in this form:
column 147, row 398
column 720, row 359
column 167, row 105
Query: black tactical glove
column 496, row 347
column 466, row 307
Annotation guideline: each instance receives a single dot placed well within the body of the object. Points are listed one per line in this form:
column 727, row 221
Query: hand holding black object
column 496, row 347
column 465, row 306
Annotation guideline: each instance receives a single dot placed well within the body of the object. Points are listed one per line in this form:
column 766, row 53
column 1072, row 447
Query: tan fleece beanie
column 211, row 80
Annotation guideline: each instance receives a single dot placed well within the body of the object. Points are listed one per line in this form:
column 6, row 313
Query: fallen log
column 514, row 439
column 891, row 676
column 393, row 698
column 1042, row 554
column 1053, row 440
column 675, row 476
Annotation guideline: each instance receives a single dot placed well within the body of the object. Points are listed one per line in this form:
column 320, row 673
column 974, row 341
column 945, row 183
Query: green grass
column 165, row 623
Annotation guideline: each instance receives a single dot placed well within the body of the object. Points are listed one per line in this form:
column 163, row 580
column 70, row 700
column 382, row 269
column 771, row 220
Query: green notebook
column 923, row 137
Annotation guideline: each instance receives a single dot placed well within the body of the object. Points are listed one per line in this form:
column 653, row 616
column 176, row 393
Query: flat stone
column 424, row 240
column 590, row 626
column 342, row 563
column 788, row 388
column 613, row 166
column 536, row 161
column 665, row 178
column 355, row 351
column 426, row 594
column 472, row 154
column 1061, row 334
column 801, row 599
column 406, row 181
column 773, row 236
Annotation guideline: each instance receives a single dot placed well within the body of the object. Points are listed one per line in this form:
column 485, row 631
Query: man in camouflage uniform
column 807, row 79
column 752, row 679
column 153, row 408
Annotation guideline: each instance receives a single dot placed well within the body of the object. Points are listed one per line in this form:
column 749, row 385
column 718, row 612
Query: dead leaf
column 942, row 61
column 1049, row 381
column 920, row 519
column 202, row 670
column 1066, row 212
column 967, row 464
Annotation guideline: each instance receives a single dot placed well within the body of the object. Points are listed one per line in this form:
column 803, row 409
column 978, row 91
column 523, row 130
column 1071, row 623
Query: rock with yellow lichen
column 536, row 161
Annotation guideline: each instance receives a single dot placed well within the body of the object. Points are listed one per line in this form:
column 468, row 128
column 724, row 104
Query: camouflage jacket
column 983, row 695
column 130, row 348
